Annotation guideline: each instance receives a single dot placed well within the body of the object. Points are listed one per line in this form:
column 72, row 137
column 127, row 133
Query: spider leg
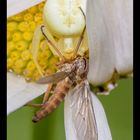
column 81, row 37
column 35, row 48
column 51, row 41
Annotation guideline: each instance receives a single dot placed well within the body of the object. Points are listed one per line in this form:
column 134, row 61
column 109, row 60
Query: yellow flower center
column 20, row 30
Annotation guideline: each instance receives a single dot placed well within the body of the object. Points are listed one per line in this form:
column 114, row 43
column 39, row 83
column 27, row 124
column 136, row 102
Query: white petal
column 100, row 42
column 101, row 120
column 102, row 123
column 109, row 29
column 19, row 92
column 17, row 6
column 123, row 35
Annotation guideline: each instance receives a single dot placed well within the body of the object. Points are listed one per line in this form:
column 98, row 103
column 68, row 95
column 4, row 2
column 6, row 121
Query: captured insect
column 71, row 81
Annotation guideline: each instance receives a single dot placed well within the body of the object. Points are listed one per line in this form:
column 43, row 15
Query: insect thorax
column 78, row 69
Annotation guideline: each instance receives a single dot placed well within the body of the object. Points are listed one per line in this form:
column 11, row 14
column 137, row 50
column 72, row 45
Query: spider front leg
column 51, row 42
column 35, row 48
column 81, row 37
column 40, row 32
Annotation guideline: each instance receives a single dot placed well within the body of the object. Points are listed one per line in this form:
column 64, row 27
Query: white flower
column 110, row 33
column 109, row 29
column 20, row 92
column 14, row 6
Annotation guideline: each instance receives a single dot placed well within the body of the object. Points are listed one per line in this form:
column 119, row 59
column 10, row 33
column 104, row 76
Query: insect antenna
column 49, row 41
column 81, row 37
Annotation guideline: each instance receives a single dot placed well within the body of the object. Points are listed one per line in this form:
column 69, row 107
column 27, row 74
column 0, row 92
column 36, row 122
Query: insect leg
column 47, row 93
column 51, row 41
column 35, row 48
column 30, row 104
column 81, row 37
column 45, row 98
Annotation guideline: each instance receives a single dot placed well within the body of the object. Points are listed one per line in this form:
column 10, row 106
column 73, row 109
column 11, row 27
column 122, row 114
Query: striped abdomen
column 59, row 95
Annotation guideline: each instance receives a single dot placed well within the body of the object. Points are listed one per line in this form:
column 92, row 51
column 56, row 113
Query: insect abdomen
column 59, row 95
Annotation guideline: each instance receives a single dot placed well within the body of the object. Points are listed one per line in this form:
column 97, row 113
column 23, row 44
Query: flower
column 20, row 29
column 109, row 33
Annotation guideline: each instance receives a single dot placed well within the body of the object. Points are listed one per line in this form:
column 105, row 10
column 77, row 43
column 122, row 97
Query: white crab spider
column 63, row 19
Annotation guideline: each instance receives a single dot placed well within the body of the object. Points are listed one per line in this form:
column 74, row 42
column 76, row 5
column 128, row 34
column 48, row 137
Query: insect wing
column 82, row 113
column 53, row 78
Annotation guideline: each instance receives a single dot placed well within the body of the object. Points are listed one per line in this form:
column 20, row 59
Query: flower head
column 108, row 36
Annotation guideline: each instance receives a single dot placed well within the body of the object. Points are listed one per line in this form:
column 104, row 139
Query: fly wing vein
column 83, row 113
column 53, row 78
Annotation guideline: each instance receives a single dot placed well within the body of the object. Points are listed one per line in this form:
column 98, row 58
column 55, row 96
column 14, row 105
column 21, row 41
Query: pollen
column 28, row 17
column 20, row 31
column 16, row 18
column 26, row 55
column 9, row 35
column 14, row 55
column 21, row 45
column 10, row 45
column 12, row 26
column 31, row 66
column 38, row 18
column 20, row 63
column 40, row 7
column 32, row 25
column 16, row 36
column 33, row 10
column 53, row 60
column 23, row 26
column 10, row 63
column 28, row 36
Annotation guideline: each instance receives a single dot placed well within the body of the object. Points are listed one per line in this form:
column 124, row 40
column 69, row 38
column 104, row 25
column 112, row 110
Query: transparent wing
column 53, row 78
column 82, row 113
